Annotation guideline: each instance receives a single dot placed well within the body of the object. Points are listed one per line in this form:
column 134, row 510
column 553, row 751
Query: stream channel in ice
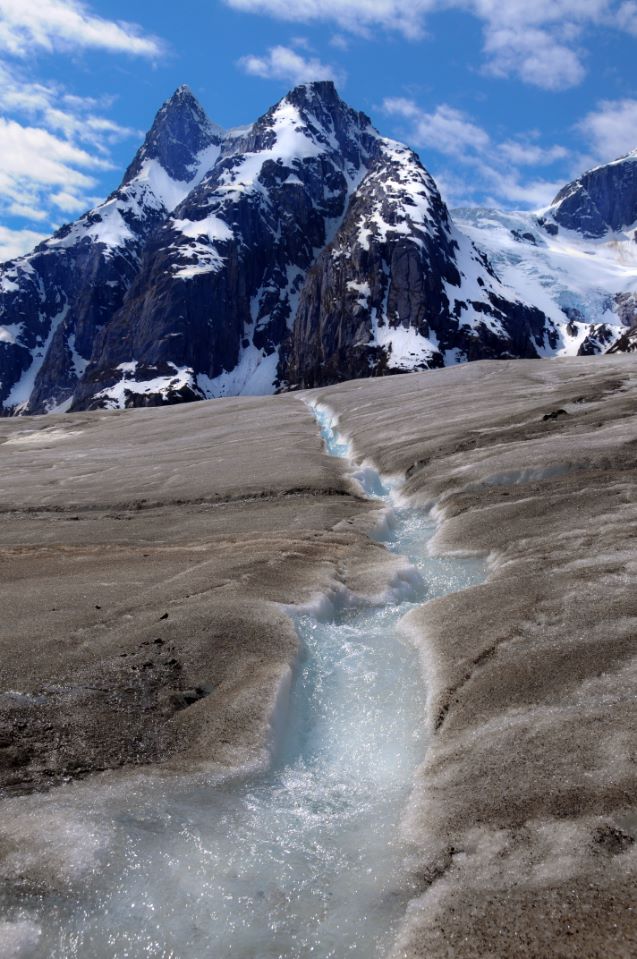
column 305, row 859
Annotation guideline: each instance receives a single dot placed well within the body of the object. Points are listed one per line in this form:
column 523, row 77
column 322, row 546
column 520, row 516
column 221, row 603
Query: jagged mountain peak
column 308, row 131
column 321, row 103
column 181, row 131
column 309, row 120
column 321, row 98
column 322, row 89
column 183, row 91
column 178, row 150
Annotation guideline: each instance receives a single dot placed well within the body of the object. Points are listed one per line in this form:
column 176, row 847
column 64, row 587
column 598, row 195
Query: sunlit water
column 303, row 860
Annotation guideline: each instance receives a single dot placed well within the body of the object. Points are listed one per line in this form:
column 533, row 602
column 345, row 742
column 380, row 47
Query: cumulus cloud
column 54, row 147
column 283, row 63
column 64, row 24
column 611, row 129
column 494, row 169
column 542, row 42
column 535, row 56
column 16, row 242
column 446, row 130
column 73, row 116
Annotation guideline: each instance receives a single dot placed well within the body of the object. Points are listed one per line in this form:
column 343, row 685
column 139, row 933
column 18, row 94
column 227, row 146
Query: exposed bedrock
column 603, row 199
column 400, row 289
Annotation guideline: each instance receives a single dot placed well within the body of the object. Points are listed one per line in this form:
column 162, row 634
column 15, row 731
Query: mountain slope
column 401, row 288
column 576, row 260
column 587, row 286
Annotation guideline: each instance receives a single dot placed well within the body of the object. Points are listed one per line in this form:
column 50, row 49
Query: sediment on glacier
column 186, row 525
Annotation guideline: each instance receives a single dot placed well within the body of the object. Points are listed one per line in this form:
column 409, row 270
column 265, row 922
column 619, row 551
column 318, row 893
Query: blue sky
column 505, row 100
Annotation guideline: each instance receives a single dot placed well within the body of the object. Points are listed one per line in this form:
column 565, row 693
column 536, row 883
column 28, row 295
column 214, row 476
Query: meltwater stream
column 305, row 859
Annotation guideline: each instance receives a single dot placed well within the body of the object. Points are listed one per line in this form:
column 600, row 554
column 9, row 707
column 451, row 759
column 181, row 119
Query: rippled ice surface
column 303, row 860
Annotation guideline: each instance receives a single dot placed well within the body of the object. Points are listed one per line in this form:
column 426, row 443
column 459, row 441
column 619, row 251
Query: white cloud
column 536, row 13
column 356, row 16
column 446, row 130
column 39, row 170
column 64, row 24
column 492, row 169
column 68, row 202
column 540, row 41
column 70, row 115
column 53, row 148
column 54, row 144
column 283, row 63
column 536, row 56
column 524, row 153
column 627, row 17
column 43, row 157
column 16, row 242
column 508, row 188
column 26, row 212
column 611, row 129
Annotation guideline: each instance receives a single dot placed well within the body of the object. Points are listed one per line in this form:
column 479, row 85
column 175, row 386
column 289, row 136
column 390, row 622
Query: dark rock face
column 626, row 307
column 523, row 237
column 180, row 132
column 626, row 343
column 602, row 200
column 392, row 292
column 597, row 340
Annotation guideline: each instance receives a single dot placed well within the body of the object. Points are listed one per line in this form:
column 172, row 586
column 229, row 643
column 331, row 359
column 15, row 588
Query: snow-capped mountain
column 302, row 250
column 54, row 302
column 576, row 260
column 401, row 288
column 218, row 288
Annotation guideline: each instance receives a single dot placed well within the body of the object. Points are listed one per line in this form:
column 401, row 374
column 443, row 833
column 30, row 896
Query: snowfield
column 563, row 274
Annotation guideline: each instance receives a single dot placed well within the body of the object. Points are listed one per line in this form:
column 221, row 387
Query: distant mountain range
column 303, row 250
